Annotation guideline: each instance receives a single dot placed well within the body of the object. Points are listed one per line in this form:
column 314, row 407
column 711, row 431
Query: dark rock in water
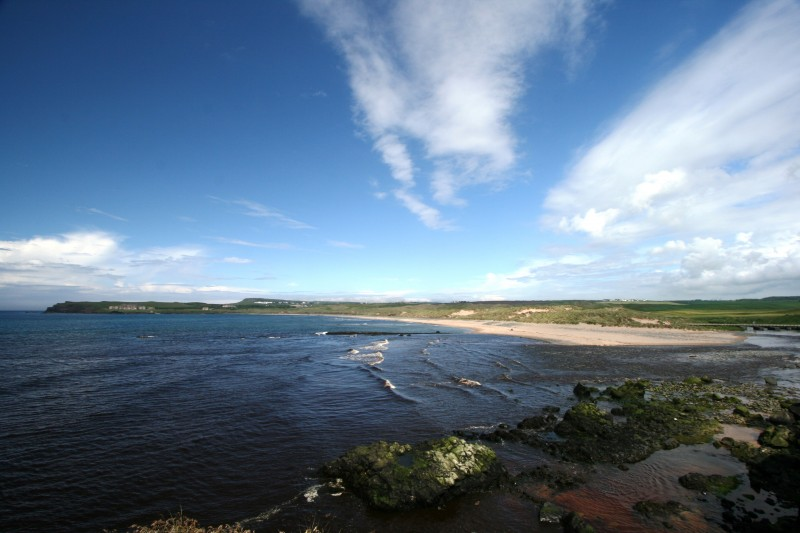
column 776, row 473
column 551, row 513
column 585, row 418
column 662, row 511
column 771, row 381
column 557, row 477
column 574, row 523
column 394, row 476
column 630, row 390
column 583, row 392
column 776, row 437
column 715, row 484
column 540, row 422
column 782, row 418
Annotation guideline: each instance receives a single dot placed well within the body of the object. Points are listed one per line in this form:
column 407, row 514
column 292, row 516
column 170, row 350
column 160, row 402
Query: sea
column 112, row 420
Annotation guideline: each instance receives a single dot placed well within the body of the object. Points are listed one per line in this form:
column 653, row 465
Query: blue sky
column 415, row 150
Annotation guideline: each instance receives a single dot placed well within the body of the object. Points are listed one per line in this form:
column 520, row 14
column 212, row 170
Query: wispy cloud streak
column 444, row 76
column 95, row 211
column 257, row 210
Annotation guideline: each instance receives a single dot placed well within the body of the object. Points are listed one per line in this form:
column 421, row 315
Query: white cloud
column 237, row 260
column 445, row 76
column 95, row 265
column 707, row 140
column 592, row 222
column 656, row 186
column 711, row 266
column 706, row 163
column 430, row 216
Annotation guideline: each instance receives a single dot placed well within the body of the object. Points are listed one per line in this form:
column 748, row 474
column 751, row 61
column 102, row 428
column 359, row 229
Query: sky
column 387, row 150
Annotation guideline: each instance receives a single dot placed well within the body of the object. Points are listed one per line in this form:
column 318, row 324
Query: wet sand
column 588, row 335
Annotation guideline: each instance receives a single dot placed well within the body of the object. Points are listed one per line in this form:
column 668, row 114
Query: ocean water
column 110, row 420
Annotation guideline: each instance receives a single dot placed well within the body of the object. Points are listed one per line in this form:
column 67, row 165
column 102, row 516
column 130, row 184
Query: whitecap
column 312, row 493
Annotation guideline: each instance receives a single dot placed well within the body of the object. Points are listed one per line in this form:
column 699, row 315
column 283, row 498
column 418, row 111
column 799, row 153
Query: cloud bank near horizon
column 436, row 83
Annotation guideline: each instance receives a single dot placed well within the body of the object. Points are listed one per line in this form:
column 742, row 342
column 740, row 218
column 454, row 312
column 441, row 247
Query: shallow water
column 115, row 419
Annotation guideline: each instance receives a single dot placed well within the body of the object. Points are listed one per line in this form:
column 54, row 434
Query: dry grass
column 184, row 524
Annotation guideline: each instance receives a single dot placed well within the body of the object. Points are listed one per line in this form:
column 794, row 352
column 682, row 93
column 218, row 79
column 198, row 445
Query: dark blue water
column 110, row 420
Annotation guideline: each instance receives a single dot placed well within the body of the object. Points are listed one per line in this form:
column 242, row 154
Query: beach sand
column 588, row 335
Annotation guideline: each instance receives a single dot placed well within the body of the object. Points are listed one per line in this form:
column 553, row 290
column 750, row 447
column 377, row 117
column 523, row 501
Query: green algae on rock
column 394, row 476
column 715, row 484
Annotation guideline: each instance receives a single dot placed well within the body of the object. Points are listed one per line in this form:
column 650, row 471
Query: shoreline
column 581, row 334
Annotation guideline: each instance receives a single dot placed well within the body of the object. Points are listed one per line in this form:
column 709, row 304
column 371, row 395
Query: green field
column 677, row 314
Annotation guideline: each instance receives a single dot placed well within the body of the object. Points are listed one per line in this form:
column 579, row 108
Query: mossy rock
column 741, row 410
column 394, row 476
column 628, row 391
column 584, row 419
column 659, row 510
column 776, row 437
column 715, row 484
column 575, row 523
column 551, row 513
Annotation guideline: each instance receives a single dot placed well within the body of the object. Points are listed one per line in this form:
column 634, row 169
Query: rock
column 782, row 418
column 394, row 476
column 771, row 381
column 741, row 410
column 630, row 390
column 538, row 422
column 574, row 523
column 776, row 437
column 659, row 511
column 582, row 392
column 776, row 473
column 671, row 443
column 715, row 484
column 551, row 513
column 585, row 418
column 795, row 409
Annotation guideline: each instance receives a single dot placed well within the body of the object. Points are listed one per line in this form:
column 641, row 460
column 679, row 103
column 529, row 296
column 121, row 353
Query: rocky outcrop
column 394, row 476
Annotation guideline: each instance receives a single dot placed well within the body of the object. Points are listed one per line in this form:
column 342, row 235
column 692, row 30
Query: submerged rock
column 394, row 476
column 715, row 484
column 659, row 510
column 551, row 513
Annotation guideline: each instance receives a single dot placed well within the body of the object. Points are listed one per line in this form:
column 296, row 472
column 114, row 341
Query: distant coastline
column 576, row 322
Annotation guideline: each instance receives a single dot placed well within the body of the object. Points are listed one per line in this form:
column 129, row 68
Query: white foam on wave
column 371, row 359
column 377, row 345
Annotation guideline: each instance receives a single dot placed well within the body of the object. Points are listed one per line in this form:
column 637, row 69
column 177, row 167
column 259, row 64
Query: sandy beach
column 589, row 335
